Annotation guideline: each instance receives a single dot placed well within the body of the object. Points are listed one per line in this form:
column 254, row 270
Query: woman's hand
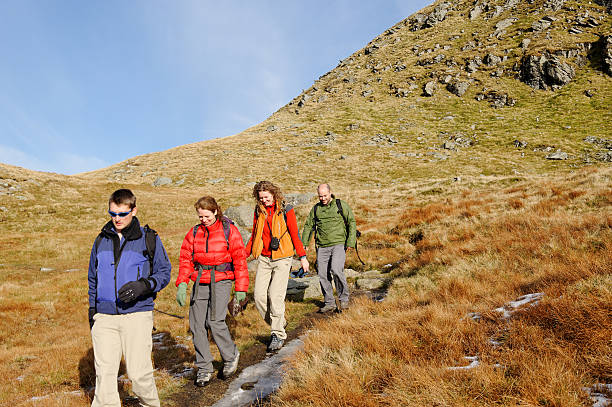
column 305, row 265
column 181, row 294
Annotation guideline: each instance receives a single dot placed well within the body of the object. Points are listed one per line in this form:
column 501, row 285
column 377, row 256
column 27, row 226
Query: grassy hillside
column 457, row 194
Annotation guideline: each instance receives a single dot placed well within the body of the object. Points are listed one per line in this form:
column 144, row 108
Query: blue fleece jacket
column 116, row 262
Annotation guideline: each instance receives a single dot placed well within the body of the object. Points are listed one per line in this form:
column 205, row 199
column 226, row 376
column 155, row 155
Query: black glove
column 92, row 312
column 133, row 290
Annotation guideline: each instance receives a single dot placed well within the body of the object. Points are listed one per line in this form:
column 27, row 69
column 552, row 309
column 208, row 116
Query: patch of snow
column 474, row 362
column 495, row 343
column 596, row 394
column 476, row 316
column 259, row 380
column 66, row 393
column 511, row 307
column 186, row 372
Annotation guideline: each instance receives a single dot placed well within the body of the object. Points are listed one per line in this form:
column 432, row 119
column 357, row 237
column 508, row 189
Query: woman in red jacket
column 214, row 249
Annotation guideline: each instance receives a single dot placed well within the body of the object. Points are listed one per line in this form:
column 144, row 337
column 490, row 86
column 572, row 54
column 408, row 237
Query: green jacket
column 330, row 226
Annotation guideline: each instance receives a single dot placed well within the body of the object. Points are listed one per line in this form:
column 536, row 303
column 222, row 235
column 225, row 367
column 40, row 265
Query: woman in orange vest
column 273, row 241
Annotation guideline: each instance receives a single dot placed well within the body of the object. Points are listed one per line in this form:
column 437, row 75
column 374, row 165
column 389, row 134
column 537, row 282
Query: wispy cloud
column 123, row 79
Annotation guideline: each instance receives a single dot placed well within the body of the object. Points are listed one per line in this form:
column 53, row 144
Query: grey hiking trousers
column 330, row 265
column 200, row 319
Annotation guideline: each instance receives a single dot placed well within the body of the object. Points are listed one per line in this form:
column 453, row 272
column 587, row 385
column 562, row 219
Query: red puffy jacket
column 211, row 250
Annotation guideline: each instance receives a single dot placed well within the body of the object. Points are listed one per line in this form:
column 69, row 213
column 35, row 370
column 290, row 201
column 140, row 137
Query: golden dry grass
column 464, row 234
column 397, row 353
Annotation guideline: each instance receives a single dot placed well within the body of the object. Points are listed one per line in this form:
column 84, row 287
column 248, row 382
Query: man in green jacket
column 335, row 232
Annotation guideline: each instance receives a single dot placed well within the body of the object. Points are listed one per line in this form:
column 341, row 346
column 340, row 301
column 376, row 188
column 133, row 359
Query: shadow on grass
column 168, row 355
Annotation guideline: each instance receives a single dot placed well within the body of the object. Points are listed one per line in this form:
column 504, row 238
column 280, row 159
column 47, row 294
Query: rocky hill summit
column 461, row 88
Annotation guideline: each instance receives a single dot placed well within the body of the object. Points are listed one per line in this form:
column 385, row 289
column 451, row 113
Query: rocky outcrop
column 606, row 3
column 421, row 21
column 496, row 99
column 554, row 5
column 295, row 199
column 543, row 23
column 458, row 88
column 429, row 88
column 607, row 54
column 241, row 215
column 545, row 71
column 159, row 181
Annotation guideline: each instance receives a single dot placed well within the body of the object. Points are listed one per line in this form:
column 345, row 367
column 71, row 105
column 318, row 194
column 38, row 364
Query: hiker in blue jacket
column 128, row 266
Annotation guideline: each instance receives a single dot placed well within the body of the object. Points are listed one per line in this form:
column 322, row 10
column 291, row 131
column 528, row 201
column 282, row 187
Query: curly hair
column 208, row 203
column 279, row 199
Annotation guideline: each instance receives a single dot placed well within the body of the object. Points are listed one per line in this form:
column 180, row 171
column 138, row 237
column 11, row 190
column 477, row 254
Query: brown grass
column 555, row 243
column 515, row 223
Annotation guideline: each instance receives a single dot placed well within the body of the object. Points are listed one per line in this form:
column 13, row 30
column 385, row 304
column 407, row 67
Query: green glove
column 181, row 294
column 239, row 295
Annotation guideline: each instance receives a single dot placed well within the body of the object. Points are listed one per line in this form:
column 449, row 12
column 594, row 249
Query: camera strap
column 272, row 234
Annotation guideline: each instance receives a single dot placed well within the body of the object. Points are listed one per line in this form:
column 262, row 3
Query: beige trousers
column 270, row 291
column 128, row 335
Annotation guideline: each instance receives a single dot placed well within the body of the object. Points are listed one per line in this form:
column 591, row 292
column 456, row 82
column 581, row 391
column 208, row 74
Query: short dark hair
column 123, row 197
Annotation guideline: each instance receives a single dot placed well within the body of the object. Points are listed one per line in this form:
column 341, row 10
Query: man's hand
column 92, row 312
column 239, row 296
column 181, row 294
column 133, row 290
column 305, row 265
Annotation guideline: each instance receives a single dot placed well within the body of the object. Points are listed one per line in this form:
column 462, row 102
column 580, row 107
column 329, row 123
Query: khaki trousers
column 128, row 335
column 270, row 291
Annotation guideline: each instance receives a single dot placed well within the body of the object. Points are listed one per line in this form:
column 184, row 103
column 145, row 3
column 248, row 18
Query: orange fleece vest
column 279, row 228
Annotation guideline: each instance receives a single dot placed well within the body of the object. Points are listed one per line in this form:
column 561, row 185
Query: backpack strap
column 226, row 222
column 285, row 210
column 357, row 233
column 315, row 221
column 339, row 205
column 195, row 231
column 150, row 243
column 96, row 245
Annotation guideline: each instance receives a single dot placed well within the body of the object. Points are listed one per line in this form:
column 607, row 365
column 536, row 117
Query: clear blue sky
column 86, row 84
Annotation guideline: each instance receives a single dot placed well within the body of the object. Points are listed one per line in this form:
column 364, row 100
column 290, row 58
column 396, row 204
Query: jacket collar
column 131, row 232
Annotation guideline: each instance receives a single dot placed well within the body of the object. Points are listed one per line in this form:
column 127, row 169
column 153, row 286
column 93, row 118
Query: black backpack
column 150, row 243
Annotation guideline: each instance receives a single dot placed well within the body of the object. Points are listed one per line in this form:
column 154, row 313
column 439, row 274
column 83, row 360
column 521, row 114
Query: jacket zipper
column 117, row 265
column 207, row 236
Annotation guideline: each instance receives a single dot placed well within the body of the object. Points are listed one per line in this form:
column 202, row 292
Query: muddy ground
column 190, row 395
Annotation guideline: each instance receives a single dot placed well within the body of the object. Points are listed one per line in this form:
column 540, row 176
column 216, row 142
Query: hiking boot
column 275, row 343
column 203, row 378
column 327, row 308
column 344, row 305
column 230, row 367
